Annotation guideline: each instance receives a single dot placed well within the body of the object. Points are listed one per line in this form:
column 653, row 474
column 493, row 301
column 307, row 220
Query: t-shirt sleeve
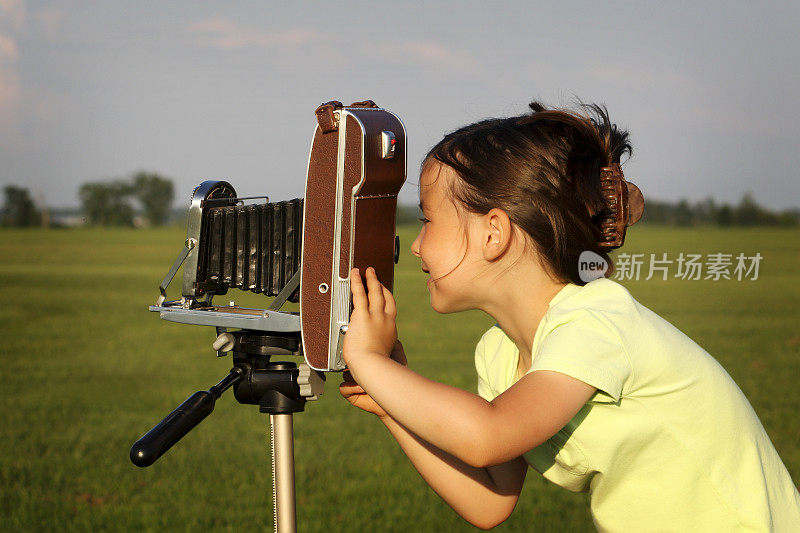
column 588, row 350
column 484, row 390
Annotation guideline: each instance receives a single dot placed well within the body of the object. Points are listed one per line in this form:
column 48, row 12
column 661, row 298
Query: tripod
column 279, row 388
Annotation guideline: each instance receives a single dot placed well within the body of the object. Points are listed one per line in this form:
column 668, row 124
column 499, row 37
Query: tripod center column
column 282, row 442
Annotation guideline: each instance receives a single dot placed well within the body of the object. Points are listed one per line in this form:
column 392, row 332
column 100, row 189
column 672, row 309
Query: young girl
column 577, row 380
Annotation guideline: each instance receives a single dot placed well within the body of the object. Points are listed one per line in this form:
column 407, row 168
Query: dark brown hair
column 543, row 170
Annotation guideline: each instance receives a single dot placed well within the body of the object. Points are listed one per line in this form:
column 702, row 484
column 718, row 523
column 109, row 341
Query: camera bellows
column 254, row 247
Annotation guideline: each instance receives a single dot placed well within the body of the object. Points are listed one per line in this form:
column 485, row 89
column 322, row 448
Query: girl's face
column 442, row 245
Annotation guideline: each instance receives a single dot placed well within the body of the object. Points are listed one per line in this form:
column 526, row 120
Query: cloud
column 427, row 53
column 9, row 90
column 10, row 101
column 22, row 102
column 12, row 22
column 8, row 50
column 49, row 20
column 224, row 34
column 9, row 76
column 12, row 14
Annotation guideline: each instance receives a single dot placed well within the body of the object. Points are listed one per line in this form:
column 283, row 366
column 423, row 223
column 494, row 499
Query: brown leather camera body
column 356, row 168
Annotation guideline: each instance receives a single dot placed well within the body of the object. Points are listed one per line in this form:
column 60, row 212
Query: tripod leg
column 282, row 441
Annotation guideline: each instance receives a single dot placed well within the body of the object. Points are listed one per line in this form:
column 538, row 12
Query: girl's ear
column 496, row 231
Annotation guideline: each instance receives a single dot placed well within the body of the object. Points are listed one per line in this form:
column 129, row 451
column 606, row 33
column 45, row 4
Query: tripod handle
column 170, row 430
column 179, row 422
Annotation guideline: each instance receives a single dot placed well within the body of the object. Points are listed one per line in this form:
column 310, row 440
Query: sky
column 93, row 91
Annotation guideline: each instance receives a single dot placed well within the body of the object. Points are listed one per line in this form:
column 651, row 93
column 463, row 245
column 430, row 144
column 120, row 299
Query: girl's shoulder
column 603, row 299
column 601, row 307
column 600, row 295
column 493, row 343
column 580, row 335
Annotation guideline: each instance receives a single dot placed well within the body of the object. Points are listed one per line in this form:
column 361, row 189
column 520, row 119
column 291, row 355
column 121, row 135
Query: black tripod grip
column 170, row 430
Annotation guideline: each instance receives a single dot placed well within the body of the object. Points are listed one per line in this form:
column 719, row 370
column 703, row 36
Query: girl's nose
column 415, row 245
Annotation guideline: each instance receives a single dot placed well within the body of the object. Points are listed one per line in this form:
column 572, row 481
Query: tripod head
column 276, row 387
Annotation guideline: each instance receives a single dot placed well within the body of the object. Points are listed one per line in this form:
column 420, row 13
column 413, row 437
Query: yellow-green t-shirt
column 669, row 442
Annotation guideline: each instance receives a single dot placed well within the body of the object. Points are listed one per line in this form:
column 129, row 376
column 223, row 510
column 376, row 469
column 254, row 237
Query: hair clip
column 624, row 206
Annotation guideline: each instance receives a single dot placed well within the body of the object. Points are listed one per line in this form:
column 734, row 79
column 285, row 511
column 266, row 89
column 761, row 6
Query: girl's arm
column 465, row 425
column 460, row 423
column 485, row 497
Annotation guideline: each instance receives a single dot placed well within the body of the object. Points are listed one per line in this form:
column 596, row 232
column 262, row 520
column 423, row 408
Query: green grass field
column 86, row 370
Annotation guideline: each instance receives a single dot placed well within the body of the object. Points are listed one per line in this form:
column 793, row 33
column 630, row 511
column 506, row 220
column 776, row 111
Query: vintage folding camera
column 301, row 249
column 296, row 250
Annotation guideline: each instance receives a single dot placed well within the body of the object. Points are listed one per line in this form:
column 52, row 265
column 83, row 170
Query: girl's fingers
column 391, row 307
column 376, row 302
column 349, row 389
column 357, row 288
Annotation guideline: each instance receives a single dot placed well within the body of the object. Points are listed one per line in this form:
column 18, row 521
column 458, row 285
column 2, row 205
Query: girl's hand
column 372, row 328
column 354, row 394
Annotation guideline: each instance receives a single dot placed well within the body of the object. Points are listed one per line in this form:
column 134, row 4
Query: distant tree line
column 105, row 203
column 708, row 212
column 19, row 209
column 110, row 203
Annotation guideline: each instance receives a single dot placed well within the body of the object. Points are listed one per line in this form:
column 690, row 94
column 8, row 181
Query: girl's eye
column 424, row 220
